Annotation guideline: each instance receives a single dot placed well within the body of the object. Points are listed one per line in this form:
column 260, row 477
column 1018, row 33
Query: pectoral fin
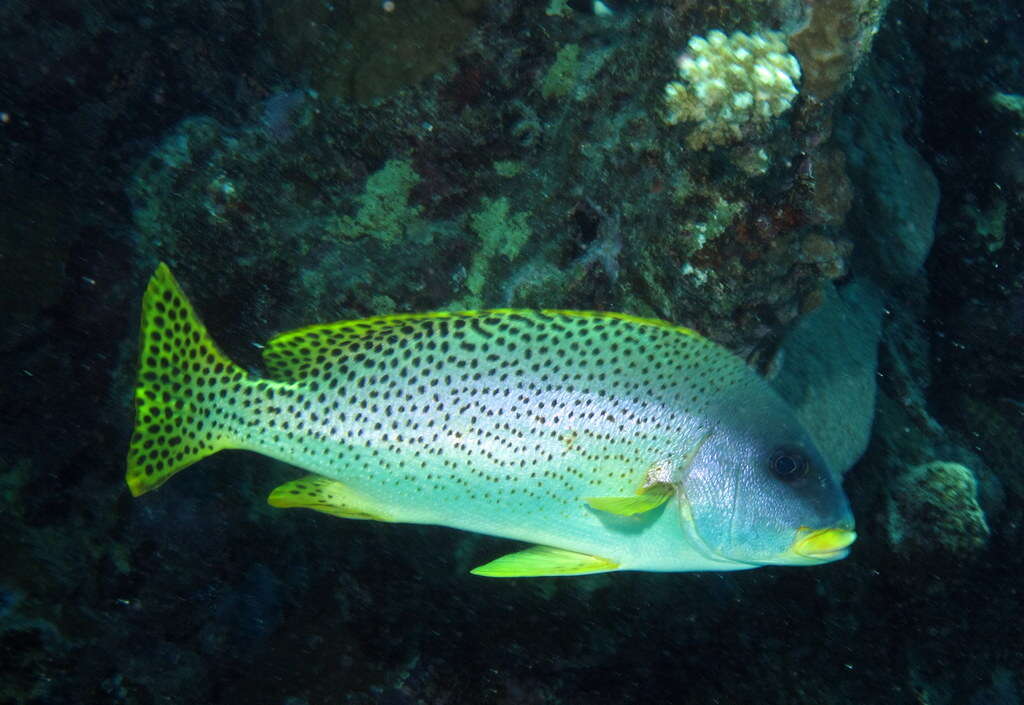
column 648, row 499
column 327, row 496
column 538, row 561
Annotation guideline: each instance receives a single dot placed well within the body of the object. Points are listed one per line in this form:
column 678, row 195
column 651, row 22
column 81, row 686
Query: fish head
column 758, row 491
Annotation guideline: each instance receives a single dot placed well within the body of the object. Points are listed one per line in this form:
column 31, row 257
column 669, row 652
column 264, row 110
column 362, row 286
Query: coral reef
column 934, row 510
column 500, row 234
column 309, row 161
column 561, row 77
column 834, row 42
column 732, row 86
column 354, row 51
column 383, row 208
column 707, row 247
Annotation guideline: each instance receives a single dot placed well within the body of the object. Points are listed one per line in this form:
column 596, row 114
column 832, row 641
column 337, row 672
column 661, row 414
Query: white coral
column 731, row 85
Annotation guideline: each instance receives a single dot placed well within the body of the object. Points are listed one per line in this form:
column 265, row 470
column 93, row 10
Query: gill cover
column 759, row 491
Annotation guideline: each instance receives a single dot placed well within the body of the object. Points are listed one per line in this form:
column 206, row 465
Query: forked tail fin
column 180, row 411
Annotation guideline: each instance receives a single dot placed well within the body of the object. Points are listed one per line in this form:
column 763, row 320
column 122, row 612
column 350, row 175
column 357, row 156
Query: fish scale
column 502, row 422
column 439, row 407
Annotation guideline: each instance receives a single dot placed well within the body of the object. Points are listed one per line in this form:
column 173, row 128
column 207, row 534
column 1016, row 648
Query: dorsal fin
column 300, row 353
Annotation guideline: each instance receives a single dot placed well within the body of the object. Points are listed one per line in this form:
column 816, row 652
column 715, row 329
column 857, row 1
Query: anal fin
column 646, row 500
column 538, row 561
column 328, row 496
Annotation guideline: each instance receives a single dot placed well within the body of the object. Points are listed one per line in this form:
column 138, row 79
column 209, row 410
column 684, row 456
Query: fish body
column 610, row 442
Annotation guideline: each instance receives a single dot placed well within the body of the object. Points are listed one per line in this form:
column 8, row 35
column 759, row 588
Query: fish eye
column 788, row 464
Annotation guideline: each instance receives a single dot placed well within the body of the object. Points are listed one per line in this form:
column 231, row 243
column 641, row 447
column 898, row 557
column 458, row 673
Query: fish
column 604, row 441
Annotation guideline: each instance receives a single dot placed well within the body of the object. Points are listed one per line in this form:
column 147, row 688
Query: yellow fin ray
column 649, row 499
column 538, row 561
column 322, row 494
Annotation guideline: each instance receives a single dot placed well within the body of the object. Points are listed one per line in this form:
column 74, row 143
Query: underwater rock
column 997, row 432
column 364, row 51
column 905, row 363
column 983, row 336
column 35, row 248
column 934, row 509
column 899, row 191
column 1001, row 690
column 829, row 361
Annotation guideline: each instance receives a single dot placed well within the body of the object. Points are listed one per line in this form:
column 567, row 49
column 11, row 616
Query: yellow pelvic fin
column 648, row 499
column 538, row 561
column 181, row 374
column 328, row 496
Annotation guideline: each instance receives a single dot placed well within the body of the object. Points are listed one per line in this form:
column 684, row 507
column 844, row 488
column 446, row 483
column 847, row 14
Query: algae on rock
column 501, row 234
column 384, row 210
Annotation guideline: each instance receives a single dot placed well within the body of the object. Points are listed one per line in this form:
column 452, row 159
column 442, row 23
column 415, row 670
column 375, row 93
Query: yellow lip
column 823, row 543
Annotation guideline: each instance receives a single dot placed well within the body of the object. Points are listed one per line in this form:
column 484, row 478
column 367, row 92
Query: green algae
column 501, row 234
column 561, row 76
column 384, row 211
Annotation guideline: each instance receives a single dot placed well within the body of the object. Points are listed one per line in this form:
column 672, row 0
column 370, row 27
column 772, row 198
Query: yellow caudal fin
column 183, row 380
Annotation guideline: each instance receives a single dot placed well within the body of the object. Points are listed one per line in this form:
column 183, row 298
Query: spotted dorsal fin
column 298, row 354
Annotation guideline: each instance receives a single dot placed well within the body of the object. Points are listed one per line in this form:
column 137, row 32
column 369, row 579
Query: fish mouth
column 824, row 544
